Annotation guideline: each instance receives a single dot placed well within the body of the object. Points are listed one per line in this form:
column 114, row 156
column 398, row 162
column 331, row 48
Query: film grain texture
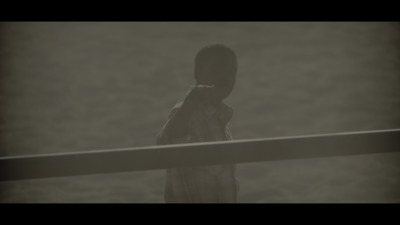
column 78, row 86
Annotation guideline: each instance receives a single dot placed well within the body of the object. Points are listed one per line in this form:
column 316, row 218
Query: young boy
column 202, row 117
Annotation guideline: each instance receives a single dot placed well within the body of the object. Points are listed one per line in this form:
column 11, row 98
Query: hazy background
column 79, row 86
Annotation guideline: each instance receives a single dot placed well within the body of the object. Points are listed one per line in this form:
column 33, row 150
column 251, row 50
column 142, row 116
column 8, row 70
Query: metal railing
column 210, row 153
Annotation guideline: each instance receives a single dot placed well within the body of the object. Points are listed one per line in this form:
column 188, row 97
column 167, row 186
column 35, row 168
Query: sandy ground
column 87, row 86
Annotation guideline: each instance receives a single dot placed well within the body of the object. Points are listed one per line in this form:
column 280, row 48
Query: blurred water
column 77, row 86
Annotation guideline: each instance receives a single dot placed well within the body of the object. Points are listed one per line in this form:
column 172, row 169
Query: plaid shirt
column 201, row 184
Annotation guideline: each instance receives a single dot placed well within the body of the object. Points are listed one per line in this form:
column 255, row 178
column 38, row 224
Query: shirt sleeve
column 166, row 137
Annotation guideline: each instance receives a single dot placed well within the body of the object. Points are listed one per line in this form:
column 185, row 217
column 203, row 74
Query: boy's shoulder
column 176, row 107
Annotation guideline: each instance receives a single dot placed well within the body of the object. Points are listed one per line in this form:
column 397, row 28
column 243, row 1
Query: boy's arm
column 176, row 128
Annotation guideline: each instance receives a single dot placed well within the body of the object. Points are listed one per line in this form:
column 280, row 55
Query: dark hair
column 215, row 63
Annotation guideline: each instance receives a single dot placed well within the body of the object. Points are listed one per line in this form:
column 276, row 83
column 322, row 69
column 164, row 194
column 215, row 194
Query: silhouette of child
column 203, row 117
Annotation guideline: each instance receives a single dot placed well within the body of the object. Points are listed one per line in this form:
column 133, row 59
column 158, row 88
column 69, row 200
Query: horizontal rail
column 197, row 154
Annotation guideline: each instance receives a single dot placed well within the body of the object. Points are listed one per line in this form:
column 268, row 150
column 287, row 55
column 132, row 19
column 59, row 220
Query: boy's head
column 216, row 65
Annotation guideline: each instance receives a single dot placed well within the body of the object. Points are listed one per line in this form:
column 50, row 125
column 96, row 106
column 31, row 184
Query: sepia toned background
column 80, row 86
